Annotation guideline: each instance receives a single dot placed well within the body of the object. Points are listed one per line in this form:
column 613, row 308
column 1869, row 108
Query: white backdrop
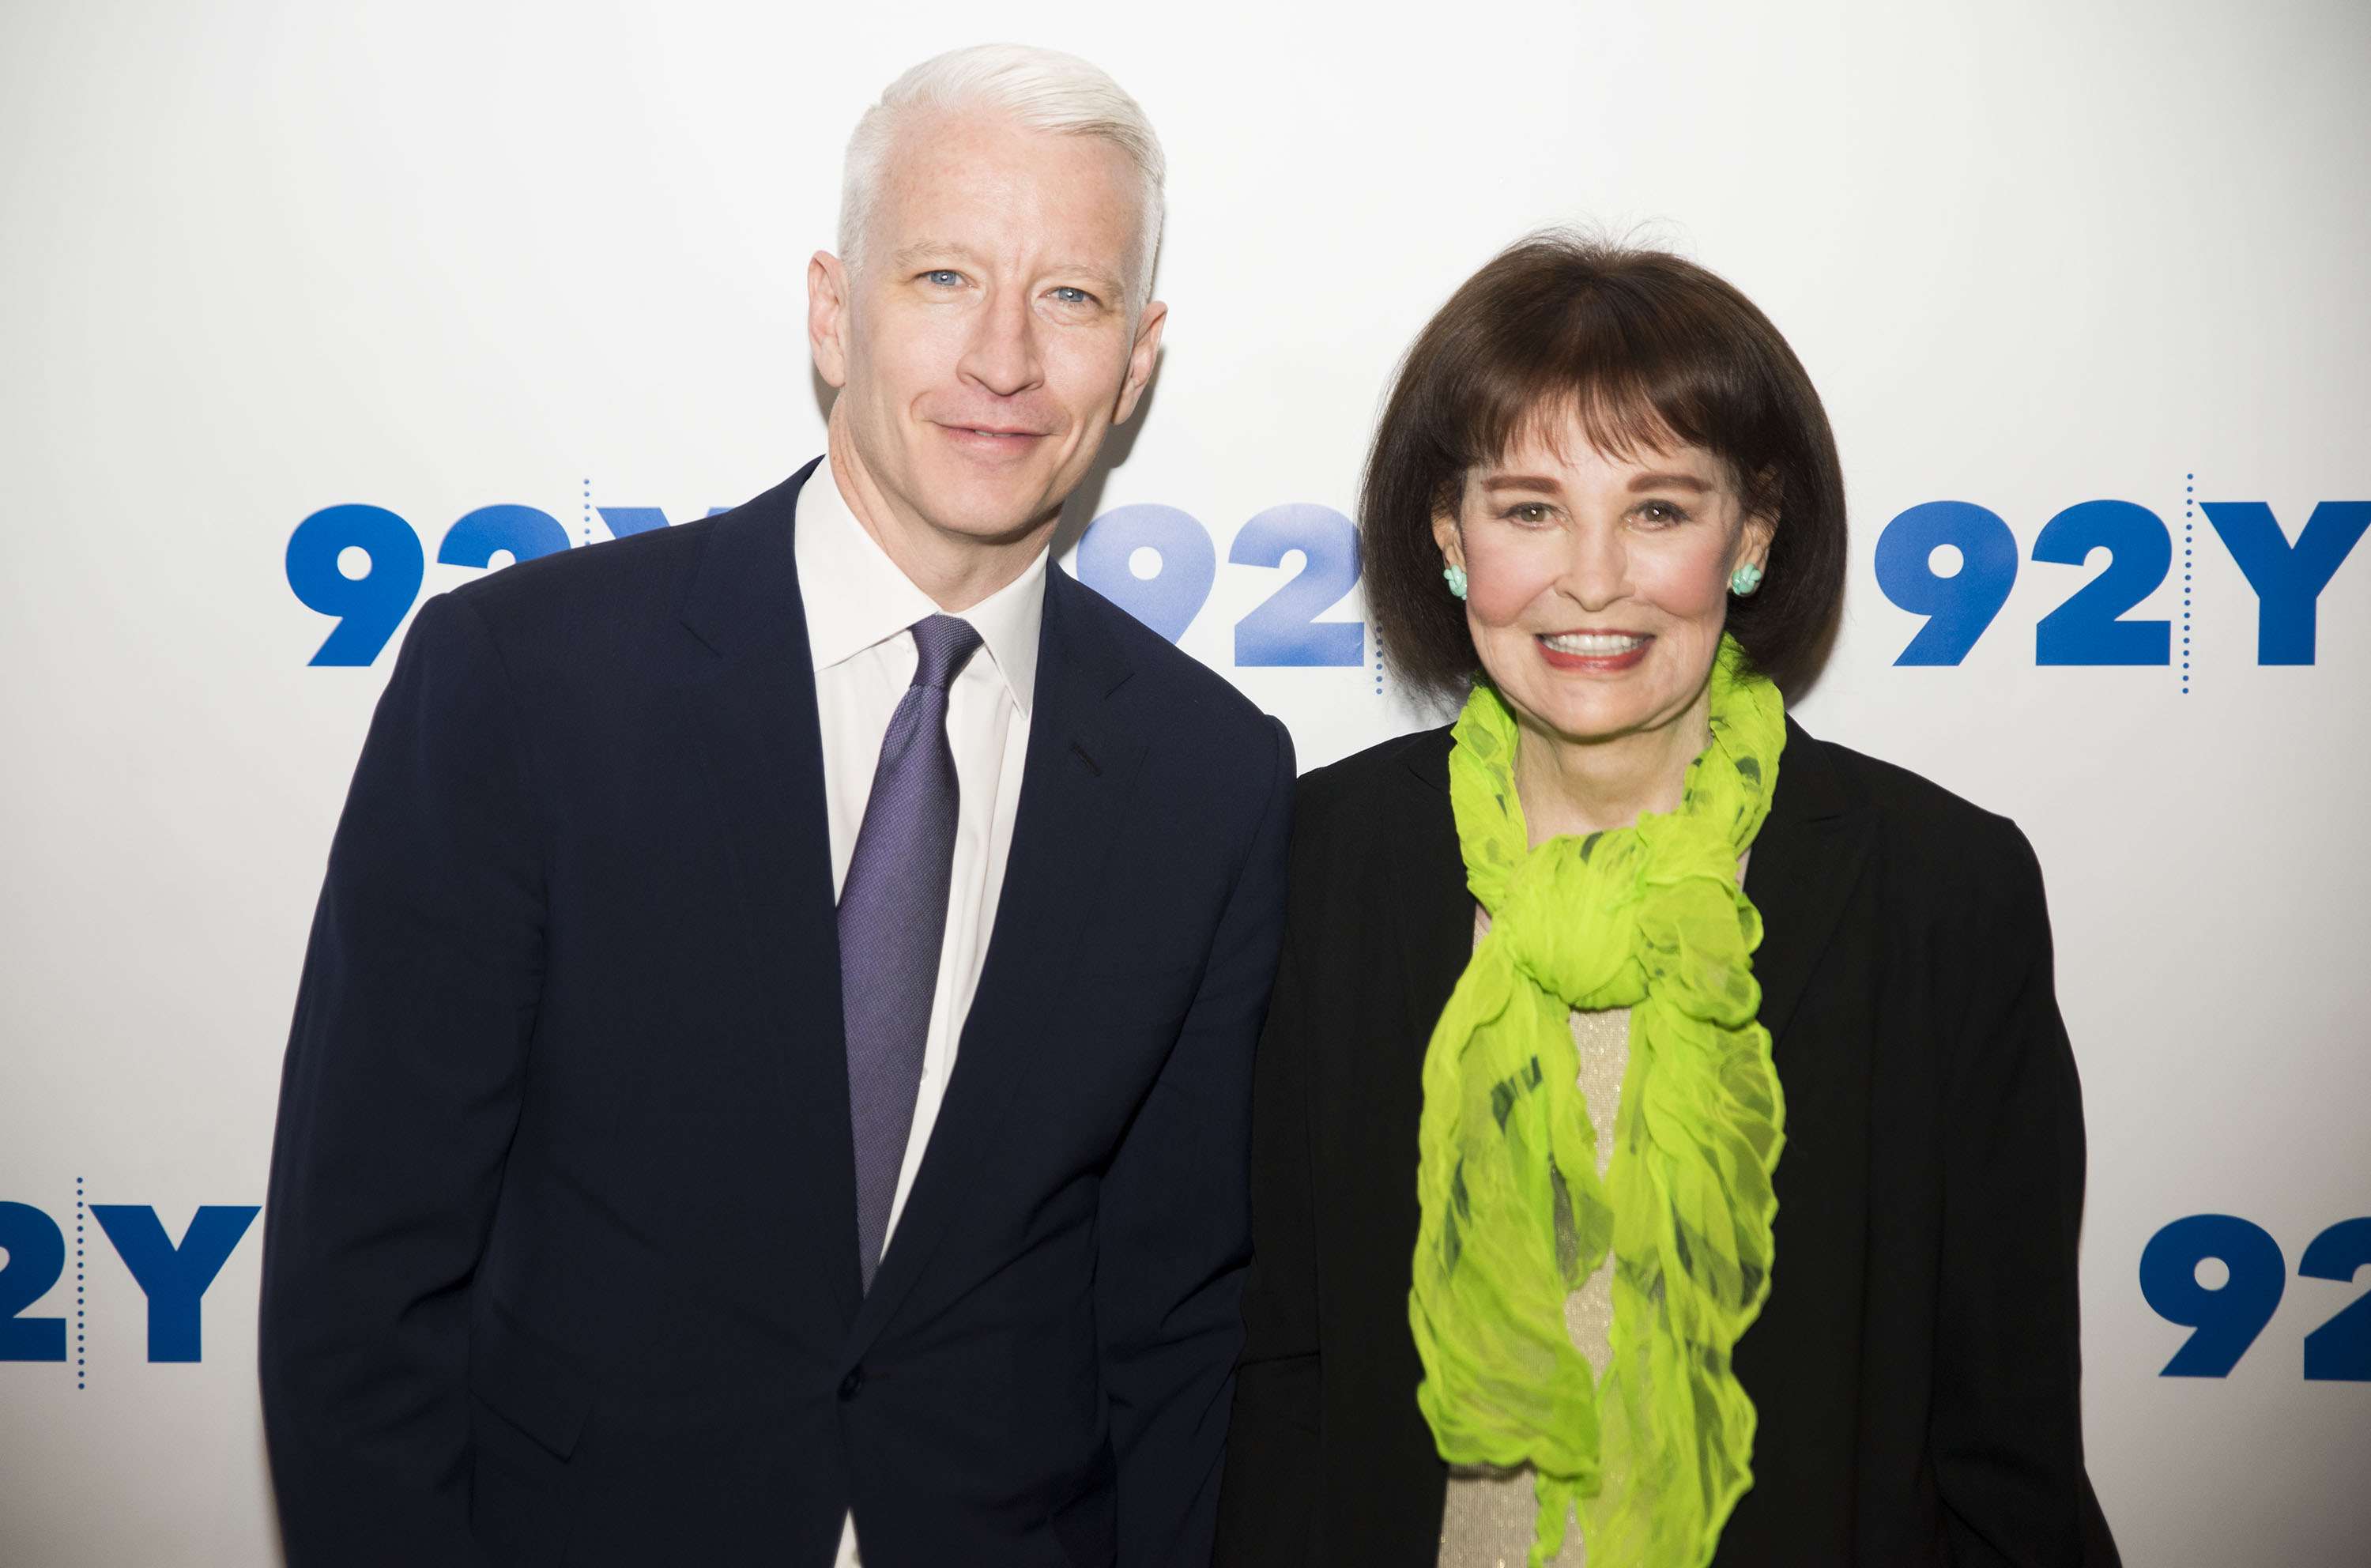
column 262, row 259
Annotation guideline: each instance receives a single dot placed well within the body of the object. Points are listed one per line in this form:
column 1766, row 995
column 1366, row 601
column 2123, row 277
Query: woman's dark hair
column 1646, row 350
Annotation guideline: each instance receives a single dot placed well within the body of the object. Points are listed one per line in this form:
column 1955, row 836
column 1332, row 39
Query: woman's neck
column 1577, row 787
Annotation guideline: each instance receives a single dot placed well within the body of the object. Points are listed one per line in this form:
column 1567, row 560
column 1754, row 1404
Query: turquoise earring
column 1456, row 578
column 1745, row 580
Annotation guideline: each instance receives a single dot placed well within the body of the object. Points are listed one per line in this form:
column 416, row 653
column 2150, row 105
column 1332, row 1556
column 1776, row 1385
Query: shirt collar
column 856, row 597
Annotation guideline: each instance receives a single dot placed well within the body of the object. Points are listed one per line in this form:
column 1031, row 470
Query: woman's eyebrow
column 1520, row 482
column 1669, row 481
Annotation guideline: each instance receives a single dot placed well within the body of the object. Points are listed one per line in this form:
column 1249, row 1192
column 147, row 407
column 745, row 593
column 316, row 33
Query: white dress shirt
column 859, row 609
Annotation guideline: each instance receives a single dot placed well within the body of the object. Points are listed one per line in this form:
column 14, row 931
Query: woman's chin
column 1597, row 723
column 1591, row 708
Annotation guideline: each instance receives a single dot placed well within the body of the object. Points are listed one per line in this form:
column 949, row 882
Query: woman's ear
column 1446, row 535
column 1760, row 520
column 1755, row 545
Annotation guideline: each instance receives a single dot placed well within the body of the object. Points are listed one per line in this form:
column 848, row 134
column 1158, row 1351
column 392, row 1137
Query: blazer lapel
column 1811, row 852
column 756, row 716
column 1074, row 788
column 1435, row 908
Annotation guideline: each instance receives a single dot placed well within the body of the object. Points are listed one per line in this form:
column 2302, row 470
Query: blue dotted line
column 2189, row 525
column 78, row 1286
column 1379, row 665
column 588, row 511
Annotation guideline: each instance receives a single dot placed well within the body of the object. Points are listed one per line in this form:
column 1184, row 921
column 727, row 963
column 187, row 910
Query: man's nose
column 1003, row 354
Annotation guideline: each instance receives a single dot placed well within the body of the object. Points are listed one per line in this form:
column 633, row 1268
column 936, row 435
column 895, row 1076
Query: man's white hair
column 1040, row 89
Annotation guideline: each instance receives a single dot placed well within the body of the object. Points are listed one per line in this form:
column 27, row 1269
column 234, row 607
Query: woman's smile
column 1596, row 653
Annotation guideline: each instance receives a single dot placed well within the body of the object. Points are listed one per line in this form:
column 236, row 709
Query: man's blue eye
column 1072, row 297
column 944, row 278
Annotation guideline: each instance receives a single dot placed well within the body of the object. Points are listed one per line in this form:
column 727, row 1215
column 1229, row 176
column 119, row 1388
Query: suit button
column 852, row 1384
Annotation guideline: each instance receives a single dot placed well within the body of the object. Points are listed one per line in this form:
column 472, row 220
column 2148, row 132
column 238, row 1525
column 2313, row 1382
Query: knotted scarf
column 1515, row 1214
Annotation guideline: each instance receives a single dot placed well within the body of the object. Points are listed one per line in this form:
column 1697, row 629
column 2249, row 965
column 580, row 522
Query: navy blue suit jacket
column 561, row 1252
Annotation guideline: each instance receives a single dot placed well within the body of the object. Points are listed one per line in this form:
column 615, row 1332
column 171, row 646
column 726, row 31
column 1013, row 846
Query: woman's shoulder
column 1377, row 826
column 1913, row 798
column 1366, row 785
column 1940, row 840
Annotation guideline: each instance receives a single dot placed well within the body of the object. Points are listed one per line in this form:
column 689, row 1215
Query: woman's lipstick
column 1597, row 653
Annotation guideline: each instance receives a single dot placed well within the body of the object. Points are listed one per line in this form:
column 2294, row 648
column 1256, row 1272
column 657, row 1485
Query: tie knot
column 943, row 642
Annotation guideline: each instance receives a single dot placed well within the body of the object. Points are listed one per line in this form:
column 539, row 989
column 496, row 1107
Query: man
column 771, row 1073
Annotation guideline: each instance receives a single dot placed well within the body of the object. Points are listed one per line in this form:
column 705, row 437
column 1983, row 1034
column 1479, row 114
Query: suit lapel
column 1811, row 852
column 756, row 716
column 1074, row 788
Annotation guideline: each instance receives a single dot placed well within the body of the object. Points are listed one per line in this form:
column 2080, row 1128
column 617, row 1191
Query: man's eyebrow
column 923, row 250
column 1108, row 284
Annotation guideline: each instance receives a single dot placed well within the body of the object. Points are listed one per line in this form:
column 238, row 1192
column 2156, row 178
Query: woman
column 1666, row 1145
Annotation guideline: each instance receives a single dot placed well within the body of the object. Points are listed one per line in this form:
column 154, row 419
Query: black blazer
column 561, row 1258
column 1915, row 1370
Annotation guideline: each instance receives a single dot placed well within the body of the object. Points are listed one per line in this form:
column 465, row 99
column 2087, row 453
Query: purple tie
column 893, row 919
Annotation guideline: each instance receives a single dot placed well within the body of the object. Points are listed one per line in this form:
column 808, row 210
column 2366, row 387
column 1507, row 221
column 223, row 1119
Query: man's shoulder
column 578, row 626
column 609, row 574
column 1185, row 690
column 632, row 603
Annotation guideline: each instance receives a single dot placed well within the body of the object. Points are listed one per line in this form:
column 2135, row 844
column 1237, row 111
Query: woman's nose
column 1597, row 570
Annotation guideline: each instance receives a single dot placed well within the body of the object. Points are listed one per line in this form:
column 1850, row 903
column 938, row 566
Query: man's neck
column 957, row 570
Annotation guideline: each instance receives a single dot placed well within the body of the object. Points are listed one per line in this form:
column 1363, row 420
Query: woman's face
column 1597, row 586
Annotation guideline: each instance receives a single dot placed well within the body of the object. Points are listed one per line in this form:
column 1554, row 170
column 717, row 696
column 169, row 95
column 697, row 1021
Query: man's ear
column 827, row 314
column 1143, row 355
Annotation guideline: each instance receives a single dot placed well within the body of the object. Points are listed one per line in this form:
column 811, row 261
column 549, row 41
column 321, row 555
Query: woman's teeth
column 1594, row 644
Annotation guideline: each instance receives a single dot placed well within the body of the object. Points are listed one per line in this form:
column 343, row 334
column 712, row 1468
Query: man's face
column 988, row 342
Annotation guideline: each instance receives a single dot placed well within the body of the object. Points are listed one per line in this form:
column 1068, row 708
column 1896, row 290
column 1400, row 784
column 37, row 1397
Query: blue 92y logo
column 1284, row 631
column 173, row 1275
column 2091, row 626
column 364, row 565
column 2229, row 1315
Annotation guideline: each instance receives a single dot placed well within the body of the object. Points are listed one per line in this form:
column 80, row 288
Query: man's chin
column 1003, row 511
column 994, row 527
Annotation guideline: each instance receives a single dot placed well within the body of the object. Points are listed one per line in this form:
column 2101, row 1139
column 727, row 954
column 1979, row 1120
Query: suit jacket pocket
column 536, row 1390
column 530, row 1409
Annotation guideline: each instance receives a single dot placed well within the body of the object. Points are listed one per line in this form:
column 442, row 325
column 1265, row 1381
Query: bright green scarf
column 1515, row 1217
